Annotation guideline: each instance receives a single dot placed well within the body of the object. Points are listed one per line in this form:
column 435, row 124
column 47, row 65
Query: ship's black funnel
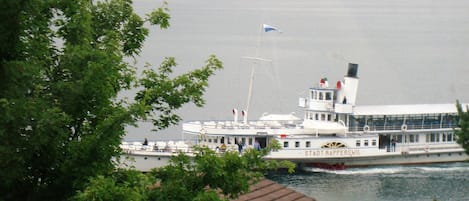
column 352, row 70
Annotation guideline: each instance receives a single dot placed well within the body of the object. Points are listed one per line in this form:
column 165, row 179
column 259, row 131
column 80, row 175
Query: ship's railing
column 169, row 146
column 377, row 127
column 432, row 148
column 259, row 124
column 427, row 147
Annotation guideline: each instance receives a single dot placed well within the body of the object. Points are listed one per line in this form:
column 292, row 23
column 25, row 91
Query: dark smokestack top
column 352, row 70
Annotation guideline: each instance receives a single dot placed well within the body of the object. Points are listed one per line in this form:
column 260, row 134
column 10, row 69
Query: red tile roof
column 269, row 190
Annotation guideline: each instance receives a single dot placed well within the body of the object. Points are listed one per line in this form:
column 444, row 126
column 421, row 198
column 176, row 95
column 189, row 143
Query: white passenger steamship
column 336, row 133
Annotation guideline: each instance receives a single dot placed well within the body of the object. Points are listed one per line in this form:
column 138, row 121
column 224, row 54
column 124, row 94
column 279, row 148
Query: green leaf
column 160, row 17
column 463, row 133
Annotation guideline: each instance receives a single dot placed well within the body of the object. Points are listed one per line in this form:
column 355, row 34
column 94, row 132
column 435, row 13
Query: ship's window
column 323, row 117
column 313, row 95
column 308, row 144
column 443, row 137
column 373, row 143
column 399, row 138
column 450, row 137
column 297, row 144
column 222, row 140
column 358, row 143
column 411, row 138
column 317, row 116
column 328, row 117
column 210, row 140
column 433, row 137
column 365, row 143
column 285, row 144
column 416, row 138
column 333, row 145
column 328, row 96
column 250, row 141
column 321, row 95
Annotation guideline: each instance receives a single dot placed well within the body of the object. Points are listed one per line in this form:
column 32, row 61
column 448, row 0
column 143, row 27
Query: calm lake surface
column 443, row 182
column 409, row 52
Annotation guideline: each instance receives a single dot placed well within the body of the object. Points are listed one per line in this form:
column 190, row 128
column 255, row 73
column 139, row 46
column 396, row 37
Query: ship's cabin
column 321, row 105
column 320, row 99
column 322, row 94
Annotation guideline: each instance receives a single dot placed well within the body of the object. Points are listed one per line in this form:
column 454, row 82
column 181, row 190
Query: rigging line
column 276, row 76
column 238, row 71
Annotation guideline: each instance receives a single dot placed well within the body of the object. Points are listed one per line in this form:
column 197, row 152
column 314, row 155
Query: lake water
column 444, row 182
column 409, row 52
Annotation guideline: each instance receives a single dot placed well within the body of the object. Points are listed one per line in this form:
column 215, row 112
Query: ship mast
column 256, row 60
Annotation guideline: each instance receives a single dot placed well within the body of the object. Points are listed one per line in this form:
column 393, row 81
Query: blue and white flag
column 268, row 28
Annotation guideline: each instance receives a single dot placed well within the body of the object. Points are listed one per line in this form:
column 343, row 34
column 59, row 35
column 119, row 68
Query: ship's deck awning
column 279, row 117
column 406, row 109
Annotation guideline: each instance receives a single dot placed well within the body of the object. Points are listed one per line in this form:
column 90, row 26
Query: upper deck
column 419, row 109
column 404, row 117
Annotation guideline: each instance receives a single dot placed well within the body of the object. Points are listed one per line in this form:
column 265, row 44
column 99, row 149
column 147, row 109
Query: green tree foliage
column 183, row 180
column 123, row 184
column 205, row 176
column 463, row 132
column 62, row 64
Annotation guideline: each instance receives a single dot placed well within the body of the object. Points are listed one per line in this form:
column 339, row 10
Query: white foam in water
column 443, row 169
column 379, row 170
column 352, row 171
column 391, row 169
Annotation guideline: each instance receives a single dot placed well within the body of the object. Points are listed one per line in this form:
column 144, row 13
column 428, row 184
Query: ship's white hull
column 145, row 163
column 391, row 159
column 145, row 159
column 334, row 132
